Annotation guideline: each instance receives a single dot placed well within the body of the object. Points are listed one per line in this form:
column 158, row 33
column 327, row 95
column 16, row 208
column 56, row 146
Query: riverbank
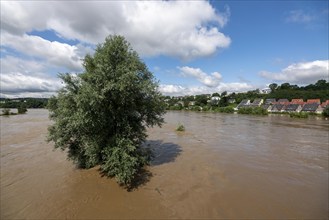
column 257, row 112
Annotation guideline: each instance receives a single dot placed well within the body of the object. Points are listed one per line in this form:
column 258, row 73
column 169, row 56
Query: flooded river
column 222, row 166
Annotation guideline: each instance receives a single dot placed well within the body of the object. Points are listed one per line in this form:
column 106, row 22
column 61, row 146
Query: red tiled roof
column 314, row 101
column 297, row 101
column 325, row 103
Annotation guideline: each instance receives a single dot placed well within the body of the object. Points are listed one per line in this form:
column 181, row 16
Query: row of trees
column 25, row 102
column 20, row 110
column 318, row 90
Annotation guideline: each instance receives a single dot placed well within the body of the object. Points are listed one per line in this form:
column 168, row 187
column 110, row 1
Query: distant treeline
column 319, row 90
column 26, row 102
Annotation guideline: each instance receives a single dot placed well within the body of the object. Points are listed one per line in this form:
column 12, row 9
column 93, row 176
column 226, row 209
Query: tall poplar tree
column 101, row 115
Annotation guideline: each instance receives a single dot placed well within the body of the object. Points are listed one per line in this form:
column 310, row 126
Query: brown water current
column 223, row 166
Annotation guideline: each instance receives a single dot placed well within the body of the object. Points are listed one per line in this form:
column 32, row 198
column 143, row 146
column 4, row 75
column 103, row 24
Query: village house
column 214, row 100
column 278, row 107
column 267, row 107
column 297, row 101
column 270, row 101
column 283, row 101
column 178, row 97
column 265, row 90
column 244, row 103
column 313, row 108
column 180, row 103
column 293, row 107
column 257, row 103
column 317, row 101
column 191, row 103
column 325, row 104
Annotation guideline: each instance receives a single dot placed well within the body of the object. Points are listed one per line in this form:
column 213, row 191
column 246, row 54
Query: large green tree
column 101, row 115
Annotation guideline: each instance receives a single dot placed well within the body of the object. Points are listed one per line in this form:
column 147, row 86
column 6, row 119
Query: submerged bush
column 227, row 109
column 21, row 109
column 180, row 128
column 298, row 114
column 253, row 111
column 326, row 112
column 195, row 108
column 176, row 107
column 6, row 111
column 101, row 115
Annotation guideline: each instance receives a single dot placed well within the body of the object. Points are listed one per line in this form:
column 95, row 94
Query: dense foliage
column 27, row 102
column 22, row 109
column 227, row 109
column 318, row 90
column 6, row 111
column 101, row 115
column 298, row 114
column 252, row 111
column 326, row 112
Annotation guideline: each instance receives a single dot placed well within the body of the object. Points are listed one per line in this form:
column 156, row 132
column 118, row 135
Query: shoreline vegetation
column 20, row 110
column 298, row 102
column 260, row 112
column 227, row 103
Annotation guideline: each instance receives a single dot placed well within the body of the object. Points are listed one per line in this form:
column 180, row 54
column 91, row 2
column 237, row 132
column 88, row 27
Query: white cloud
column 235, row 87
column 16, row 84
column 299, row 16
column 184, row 29
column 181, row 29
column 208, row 80
column 58, row 54
column 10, row 64
column 303, row 73
column 179, row 90
column 26, row 78
column 172, row 89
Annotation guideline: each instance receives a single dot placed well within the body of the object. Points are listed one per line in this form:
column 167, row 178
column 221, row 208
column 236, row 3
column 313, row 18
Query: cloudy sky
column 192, row 47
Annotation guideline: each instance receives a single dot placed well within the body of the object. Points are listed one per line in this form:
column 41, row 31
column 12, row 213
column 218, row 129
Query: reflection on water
column 222, row 166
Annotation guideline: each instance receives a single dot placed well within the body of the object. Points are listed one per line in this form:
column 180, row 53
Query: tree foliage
column 27, row 102
column 101, row 115
column 326, row 112
column 228, row 109
column 252, row 111
column 298, row 114
column 6, row 111
column 318, row 90
column 22, row 109
column 273, row 86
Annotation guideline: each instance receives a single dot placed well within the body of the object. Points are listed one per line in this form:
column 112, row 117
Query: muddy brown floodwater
column 222, row 166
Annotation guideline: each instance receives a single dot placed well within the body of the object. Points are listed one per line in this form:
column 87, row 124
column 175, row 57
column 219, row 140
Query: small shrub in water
column 180, row 128
column 6, row 111
column 326, row 112
column 21, row 110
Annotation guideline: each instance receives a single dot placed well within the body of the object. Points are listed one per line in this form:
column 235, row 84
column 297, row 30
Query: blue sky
column 192, row 47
